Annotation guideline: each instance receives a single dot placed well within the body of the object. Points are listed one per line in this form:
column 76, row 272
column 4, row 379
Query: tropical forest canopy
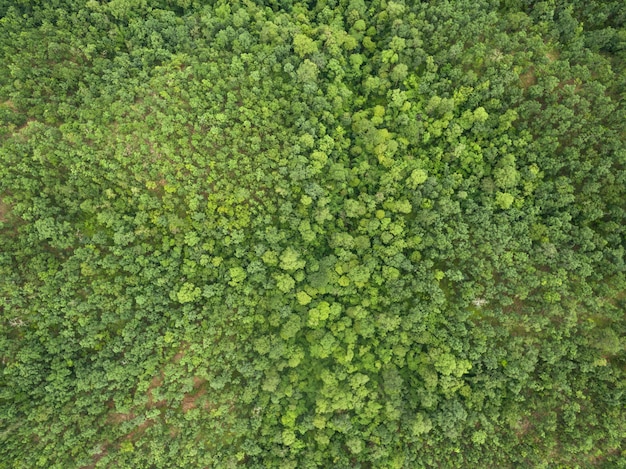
column 325, row 234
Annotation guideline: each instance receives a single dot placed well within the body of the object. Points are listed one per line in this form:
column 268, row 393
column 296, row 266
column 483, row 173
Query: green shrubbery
column 325, row 234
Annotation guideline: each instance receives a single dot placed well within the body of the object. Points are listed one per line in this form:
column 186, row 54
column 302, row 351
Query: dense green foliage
column 339, row 233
